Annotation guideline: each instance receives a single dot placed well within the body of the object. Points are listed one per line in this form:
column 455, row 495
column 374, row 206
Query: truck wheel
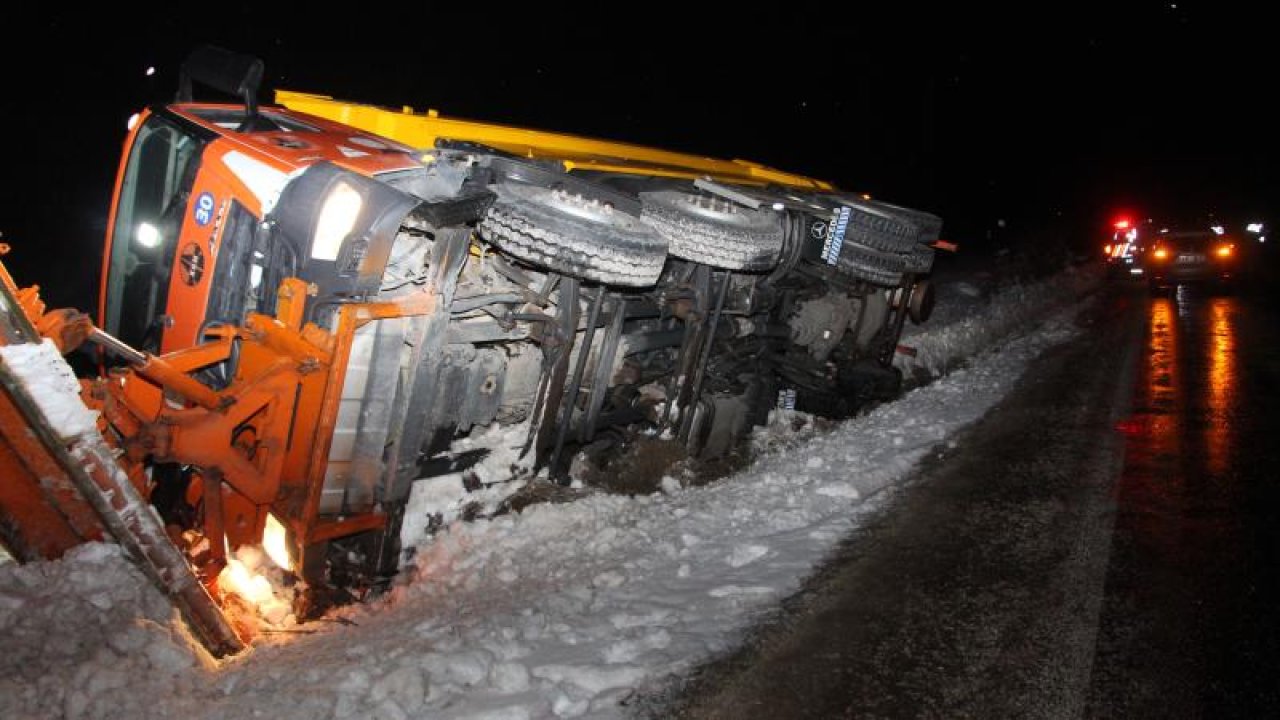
column 920, row 302
column 713, row 231
column 874, row 266
column 930, row 225
column 869, row 227
column 573, row 235
column 919, row 260
column 926, row 226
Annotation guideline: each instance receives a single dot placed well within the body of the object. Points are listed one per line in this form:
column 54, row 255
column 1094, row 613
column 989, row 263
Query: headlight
column 147, row 235
column 341, row 225
column 275, row 542
column 337, row 218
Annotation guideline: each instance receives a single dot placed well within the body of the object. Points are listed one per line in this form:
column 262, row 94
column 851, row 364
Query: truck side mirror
column 225, row 71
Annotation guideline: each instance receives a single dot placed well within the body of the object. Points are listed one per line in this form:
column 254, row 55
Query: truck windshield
column 152, row 202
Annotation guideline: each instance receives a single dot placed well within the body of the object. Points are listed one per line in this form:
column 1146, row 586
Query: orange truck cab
column 216, row 207
column 198, row 235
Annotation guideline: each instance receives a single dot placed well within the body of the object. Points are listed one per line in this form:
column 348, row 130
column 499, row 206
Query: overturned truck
column 307, row 308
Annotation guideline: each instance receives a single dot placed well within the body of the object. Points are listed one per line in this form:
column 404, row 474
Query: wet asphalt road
column 1189, row 624
column 1102, row 544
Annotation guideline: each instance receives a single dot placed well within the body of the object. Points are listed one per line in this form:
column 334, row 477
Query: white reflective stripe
column 367, row 142
column 264, row 181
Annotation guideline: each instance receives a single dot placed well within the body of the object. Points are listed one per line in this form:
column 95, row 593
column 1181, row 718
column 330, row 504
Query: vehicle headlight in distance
column 337, row 217
column 1160, row 253
column 1224, row 251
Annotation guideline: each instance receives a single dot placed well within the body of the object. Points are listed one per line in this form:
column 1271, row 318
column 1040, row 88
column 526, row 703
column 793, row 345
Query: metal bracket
column 727, row 193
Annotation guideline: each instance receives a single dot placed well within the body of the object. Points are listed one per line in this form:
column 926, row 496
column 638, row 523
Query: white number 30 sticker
column 204, row 208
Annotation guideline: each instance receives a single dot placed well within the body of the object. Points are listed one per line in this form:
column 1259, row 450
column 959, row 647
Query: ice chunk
column 729, row 591
column 609, row 579
column 839, row 490
column 627, row 651
column 746, row 554
column 406, row 686
column 591, row 678
column 509, row 677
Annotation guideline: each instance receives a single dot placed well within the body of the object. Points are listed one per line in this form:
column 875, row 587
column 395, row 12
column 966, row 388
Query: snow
column 966, row 321
column 53, row 386
column 561, row 610
column 78, row 631
column 442, row 498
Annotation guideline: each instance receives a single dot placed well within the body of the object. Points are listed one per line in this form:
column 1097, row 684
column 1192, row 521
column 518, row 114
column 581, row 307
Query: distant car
column 1190, row 257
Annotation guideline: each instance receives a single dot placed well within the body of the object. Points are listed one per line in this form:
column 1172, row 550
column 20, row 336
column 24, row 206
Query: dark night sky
column 1052, row 118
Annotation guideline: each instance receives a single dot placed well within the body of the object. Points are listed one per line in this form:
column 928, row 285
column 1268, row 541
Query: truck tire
column 874, row 229
column 570, row 234
column 890, row 227
column 713, row 231
column 919, row 260
column 930, row 225
column 874, row 266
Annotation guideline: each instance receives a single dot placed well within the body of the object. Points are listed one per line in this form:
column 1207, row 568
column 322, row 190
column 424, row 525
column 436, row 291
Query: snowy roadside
column 561, row 610
column 966, row 323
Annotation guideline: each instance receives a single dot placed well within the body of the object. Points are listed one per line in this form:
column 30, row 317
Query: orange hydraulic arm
column 258, row 445
column 262, row 442
column 61, row 485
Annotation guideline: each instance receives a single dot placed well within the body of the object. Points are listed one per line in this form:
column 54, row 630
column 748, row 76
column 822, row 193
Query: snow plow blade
column 60, row 484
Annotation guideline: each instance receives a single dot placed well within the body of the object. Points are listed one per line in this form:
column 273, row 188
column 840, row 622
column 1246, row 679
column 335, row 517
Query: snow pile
column 558, row 611
column 78, row 632
column 52, row 384
column 482, row 486
column 967, row 321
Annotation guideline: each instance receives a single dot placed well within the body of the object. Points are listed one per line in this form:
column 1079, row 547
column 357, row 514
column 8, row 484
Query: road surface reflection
column 1220, row 396
column 1188, row 621
column 1187, row 401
